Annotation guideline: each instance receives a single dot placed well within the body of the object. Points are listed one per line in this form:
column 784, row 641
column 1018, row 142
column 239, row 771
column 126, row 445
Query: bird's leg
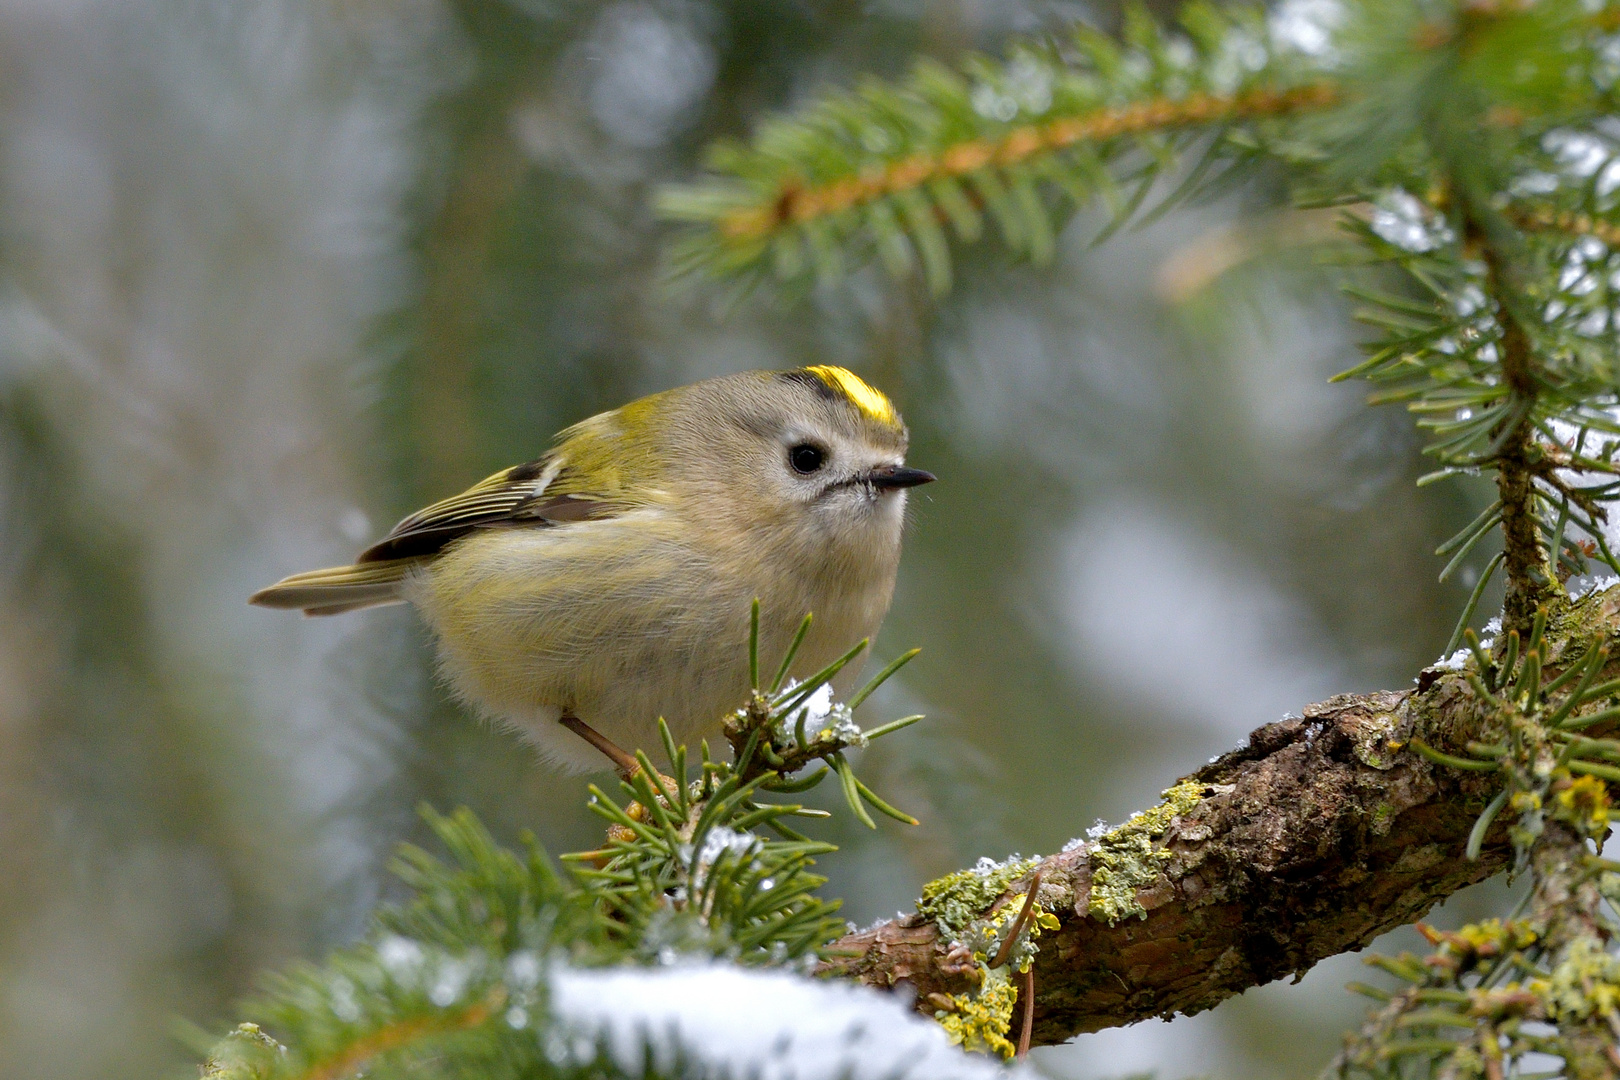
column 623, row 763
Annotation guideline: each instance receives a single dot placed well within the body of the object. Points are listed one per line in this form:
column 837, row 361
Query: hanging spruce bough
column 1471, row 143
column 487, row 970
column 898, row 171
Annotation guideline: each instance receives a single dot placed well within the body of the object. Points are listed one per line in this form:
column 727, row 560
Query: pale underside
column 619, row 621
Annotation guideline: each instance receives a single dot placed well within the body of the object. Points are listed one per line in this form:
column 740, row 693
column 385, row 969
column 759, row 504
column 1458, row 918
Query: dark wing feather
column 515, row 496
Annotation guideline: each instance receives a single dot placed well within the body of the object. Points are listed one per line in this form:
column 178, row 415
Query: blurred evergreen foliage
column 1469, row 148
column 140, row 771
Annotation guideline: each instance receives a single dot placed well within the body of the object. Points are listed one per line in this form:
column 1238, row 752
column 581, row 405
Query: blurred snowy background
column 274, row 273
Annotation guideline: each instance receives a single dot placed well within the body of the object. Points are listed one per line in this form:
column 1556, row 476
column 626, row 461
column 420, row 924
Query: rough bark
column 1566, row 902
column 1321, row 834
column 1527, row 565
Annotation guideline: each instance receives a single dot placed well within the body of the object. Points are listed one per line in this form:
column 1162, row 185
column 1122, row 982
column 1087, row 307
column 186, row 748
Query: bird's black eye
column 806, row 458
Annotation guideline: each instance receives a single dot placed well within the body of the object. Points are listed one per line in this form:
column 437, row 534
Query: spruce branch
column 351, row 1059
column 1530, row 580
column 1475, row 131
column 1542, row 981
column 455, row 982
column 1322, row 833
column 897, row 171
column 800, row 206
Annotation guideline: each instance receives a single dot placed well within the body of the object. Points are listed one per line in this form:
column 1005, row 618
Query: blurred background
column 274, row 273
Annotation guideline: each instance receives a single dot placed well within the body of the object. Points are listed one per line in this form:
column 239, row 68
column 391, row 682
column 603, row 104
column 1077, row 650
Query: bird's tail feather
column 339, row 588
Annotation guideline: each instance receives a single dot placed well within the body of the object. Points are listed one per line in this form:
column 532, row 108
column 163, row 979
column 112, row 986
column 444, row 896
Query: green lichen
column 1126, row 860
column 981, row 1018
column 1580, row 621
column 1608, row 884
column 1373, row 742
column 1584, row 803
column 985, row 937
column 955, row 901
column 1493, row 937
column 1585, row 983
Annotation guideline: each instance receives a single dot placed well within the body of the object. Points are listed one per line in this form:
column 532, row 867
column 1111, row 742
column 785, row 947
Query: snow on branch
column 769, row 1025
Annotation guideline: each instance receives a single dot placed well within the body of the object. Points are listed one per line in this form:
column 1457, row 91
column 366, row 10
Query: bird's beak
column 892, row 477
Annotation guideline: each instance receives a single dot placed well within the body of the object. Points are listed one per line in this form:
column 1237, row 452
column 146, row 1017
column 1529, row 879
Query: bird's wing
column 522, row 495
column 533, row 494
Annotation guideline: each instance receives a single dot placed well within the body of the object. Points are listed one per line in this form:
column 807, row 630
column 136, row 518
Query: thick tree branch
column 1319, row 835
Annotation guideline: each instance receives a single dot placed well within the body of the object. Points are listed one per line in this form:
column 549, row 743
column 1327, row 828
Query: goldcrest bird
column 610, row 581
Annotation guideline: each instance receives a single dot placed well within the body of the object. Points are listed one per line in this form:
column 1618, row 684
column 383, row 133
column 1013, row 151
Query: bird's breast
column 622, row 621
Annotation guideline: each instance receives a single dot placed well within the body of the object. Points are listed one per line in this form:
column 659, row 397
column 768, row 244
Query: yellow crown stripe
column 860, row 393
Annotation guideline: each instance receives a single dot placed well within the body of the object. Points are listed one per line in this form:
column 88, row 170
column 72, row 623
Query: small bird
column 610, row 581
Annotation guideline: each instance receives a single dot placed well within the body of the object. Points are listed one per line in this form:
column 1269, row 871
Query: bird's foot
column 623, row 763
